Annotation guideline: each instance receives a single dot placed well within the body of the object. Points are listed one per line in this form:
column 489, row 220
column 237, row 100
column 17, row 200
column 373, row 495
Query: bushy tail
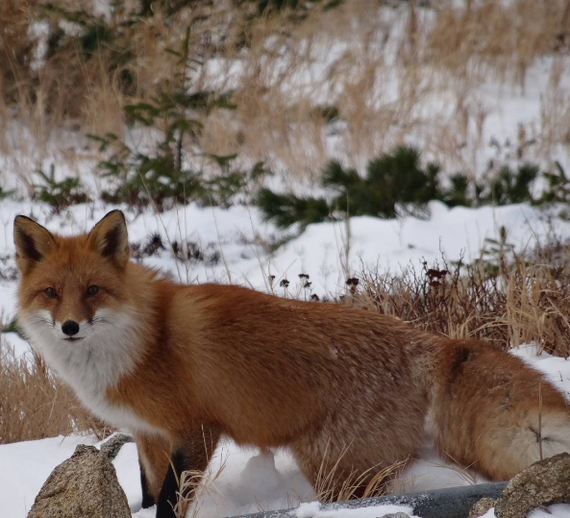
column 494, row 413
column 504, row 451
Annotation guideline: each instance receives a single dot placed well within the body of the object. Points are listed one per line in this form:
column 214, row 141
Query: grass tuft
column 34, row 404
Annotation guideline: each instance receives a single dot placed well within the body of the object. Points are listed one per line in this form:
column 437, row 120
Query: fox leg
column 154, row 453
column 191, row 453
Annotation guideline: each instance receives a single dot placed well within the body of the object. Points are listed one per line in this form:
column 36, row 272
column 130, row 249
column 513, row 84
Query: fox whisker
column 41, row 322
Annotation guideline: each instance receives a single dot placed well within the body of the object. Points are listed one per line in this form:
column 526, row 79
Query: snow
column 236, row 241
column 313, row 510
column 246, row 480
column 14, row 347
column 384, row 245
column 124, row 462
column 553, row 511
column 25, row 466
column 557, row 370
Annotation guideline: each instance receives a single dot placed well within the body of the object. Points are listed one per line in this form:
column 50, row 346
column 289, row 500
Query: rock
column 541, row 484
column 396, row 515
column 83, row 486
column 113, row 444
column 481, row 507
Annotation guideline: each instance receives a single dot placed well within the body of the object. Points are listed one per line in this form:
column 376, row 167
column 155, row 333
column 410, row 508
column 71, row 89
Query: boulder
column 83, row 486
column 541, row 484
column 481, row 507
column 113, row 444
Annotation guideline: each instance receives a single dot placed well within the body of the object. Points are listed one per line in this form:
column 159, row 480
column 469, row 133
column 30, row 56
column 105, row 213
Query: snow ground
column 241, row 480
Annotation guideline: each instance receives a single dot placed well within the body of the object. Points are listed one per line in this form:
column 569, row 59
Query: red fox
column 180, row 365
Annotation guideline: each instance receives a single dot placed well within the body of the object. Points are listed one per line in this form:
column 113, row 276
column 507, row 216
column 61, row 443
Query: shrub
column 5, row 193
column 299, row 9
column 160, row 174
column 77, row 57
column 226, row 186
column 513, row 187
column 399, row 179
column 558, row 186
column 458, row 191
column 391, row 179
column 59, row 194
column 286, row 210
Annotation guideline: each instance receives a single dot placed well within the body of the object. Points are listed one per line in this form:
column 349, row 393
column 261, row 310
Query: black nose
column 70, row 327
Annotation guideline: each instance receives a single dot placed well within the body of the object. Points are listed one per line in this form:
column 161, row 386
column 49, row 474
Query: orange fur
column 333, row 383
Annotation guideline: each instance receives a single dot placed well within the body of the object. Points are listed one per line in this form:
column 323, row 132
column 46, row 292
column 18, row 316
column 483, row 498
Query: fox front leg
column 154, row 455
column 192, row 453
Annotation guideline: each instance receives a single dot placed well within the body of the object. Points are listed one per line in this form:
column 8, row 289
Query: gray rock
column 481, row 507
column 396, row 515
column 541, row 484
column 83, row 486
column 113, row 444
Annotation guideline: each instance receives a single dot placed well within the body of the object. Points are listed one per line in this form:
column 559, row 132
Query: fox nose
column 70, row 327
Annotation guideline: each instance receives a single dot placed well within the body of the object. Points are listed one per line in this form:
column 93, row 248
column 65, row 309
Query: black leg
column 147, row 498
column 168, row 494
column 192, row 454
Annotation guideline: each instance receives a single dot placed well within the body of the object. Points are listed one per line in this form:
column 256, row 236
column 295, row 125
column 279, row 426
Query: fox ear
column 33, row 242
column 109, row 238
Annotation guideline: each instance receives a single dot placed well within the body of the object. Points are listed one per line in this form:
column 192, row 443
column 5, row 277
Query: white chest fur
column 107, row 353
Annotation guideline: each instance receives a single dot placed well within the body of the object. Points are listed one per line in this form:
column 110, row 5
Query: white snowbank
column 313, row 510
column 241, row 241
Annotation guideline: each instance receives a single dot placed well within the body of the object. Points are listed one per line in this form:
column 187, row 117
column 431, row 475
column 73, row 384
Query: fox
column 180, row 366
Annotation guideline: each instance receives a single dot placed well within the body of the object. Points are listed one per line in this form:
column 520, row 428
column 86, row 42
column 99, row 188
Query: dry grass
column 381, row 67
column 34, row 404
column 193, row 485
column 370, row 483
column 503, row 37
column 188, row 483
column 526, row 300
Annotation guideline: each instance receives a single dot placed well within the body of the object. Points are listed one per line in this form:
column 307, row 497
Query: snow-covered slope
column 235, row 244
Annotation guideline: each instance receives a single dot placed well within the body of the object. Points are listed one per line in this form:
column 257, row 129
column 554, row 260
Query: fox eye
column 92, row 290
column 51, row 293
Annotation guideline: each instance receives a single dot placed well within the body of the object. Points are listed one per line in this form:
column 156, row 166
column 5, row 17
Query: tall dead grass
column 356, row 484
column 523, row 301
column 502, row 38
column 379, row 65
column 34, row 404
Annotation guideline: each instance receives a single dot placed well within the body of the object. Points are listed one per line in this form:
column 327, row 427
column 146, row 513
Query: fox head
column 72, row 287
